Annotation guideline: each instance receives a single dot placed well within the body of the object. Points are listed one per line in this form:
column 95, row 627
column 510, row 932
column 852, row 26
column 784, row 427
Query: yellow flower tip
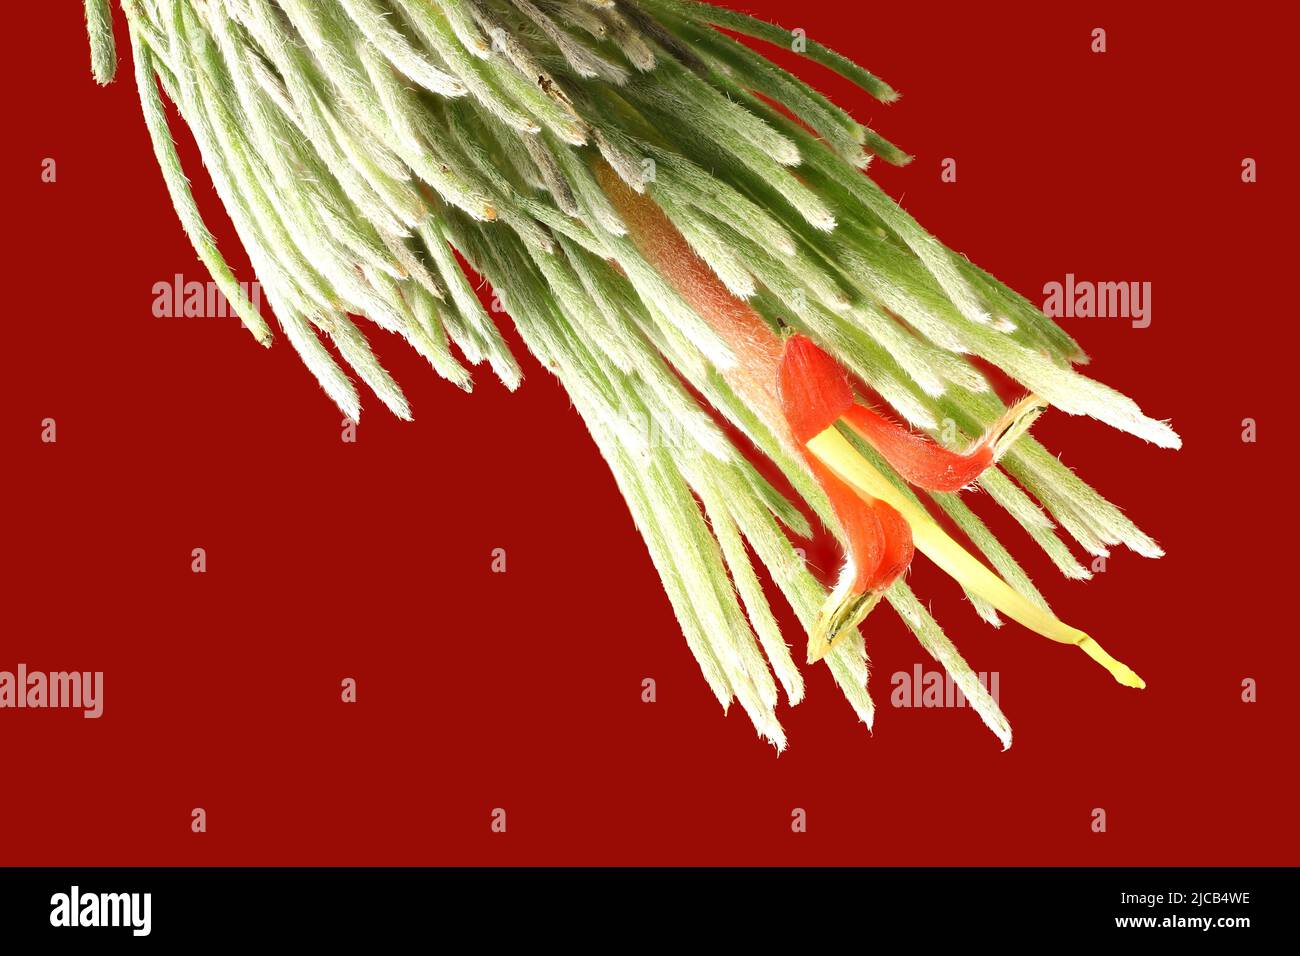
column 1126, row 676
column 1017, row 420
column 819, row 643
column 843, row 611
column 1122, row 673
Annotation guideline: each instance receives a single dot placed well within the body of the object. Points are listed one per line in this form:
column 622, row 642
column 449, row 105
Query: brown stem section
column 756, row 348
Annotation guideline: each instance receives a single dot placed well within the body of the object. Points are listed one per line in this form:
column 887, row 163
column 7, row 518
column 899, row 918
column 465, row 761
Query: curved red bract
column 918, row 459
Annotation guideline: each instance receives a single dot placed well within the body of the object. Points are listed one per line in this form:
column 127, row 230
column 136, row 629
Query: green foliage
column 355, row 143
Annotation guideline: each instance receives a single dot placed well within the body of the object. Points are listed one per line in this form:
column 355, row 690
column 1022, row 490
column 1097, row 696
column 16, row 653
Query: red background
column 522, row 690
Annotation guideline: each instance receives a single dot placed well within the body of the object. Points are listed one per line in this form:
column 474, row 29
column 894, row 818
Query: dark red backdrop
column 479, row 690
